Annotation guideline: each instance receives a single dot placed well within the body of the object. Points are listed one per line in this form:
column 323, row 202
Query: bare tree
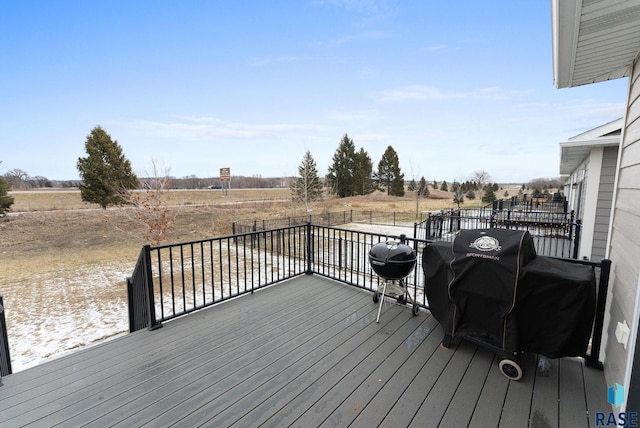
column 148, row 206
column 458, row 196
column 40, row 181
column 481, row 177
column 17, row 178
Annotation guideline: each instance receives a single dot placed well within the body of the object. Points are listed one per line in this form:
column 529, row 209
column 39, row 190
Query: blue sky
column 453, row 87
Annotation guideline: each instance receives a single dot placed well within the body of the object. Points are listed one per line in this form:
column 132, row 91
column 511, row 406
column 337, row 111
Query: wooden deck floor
column 304, row 353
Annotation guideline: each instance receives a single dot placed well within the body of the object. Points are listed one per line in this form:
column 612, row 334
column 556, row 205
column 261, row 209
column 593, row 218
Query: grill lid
column 392, row 251
column 392, row 259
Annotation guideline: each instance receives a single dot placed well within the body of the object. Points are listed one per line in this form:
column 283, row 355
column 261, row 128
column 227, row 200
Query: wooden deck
column 305, row 353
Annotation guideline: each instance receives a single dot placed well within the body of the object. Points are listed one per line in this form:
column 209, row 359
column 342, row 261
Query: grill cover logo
column 486, row 243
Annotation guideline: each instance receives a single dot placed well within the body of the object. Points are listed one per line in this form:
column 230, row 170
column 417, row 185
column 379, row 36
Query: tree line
column 350, row 174
column 106, row 177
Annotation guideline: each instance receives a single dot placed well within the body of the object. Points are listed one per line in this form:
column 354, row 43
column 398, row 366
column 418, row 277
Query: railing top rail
column 225, row 237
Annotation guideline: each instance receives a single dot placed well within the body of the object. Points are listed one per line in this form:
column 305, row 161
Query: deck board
column 306, row 352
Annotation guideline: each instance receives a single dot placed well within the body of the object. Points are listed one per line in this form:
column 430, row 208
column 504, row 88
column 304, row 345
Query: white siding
column 624, row 244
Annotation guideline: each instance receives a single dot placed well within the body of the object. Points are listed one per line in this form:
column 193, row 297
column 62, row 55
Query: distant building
column 588, row 161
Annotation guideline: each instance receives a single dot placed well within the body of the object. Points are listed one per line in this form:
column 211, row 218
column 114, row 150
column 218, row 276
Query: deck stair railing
column 186, row 277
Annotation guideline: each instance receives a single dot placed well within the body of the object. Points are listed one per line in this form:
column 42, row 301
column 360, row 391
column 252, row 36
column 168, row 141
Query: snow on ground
column 388, row 230
column 80, row 308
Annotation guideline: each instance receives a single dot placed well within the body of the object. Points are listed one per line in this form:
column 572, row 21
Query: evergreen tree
column 412, row 186
column 341, row 174
column 307, row 187
column 489, row 195
column 106, row 173
column 5, row 200
column 363, row 169
column 389, row 175
column 423, row 188
column 444, row 186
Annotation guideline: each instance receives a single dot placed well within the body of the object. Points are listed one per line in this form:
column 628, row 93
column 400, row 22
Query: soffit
column 593, row 40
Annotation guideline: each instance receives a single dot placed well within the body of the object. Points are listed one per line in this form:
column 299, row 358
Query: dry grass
column 64, row 262
column 52, row 228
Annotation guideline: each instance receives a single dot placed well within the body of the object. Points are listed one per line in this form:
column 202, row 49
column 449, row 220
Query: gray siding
column 625, row 235
column 603, row 207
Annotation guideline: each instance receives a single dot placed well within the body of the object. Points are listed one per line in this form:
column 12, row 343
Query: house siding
column 603, row 205
column 624, row 245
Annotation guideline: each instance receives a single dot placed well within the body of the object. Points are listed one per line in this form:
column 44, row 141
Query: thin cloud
column 355, row 37
column 430, row 93
column 361, row 116
column 278, row 59
column 361, row 6
column 208, row 127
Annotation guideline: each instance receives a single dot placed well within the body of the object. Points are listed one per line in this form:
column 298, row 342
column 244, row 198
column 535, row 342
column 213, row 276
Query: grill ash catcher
column 393, row 261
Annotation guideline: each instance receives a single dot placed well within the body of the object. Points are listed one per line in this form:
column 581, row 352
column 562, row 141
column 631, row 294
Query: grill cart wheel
column 511, row 369
column 376, row 296
column 415, row 309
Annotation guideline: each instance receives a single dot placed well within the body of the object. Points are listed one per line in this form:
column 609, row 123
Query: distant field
column 69, row 199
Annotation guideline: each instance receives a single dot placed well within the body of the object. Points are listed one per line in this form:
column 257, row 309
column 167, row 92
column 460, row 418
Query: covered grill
column 392, row 261
column 489, row 286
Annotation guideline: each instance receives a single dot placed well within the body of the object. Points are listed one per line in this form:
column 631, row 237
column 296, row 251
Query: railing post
column 309, row 269
column 148, row 280
column 576, row 239
column 593, row 359
column 5, row 355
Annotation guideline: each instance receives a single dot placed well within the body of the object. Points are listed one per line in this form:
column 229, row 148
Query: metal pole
column 148, row 280
column 5, row 355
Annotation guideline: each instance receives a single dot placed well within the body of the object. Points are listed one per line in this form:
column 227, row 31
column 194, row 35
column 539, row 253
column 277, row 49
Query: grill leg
column 384, row 290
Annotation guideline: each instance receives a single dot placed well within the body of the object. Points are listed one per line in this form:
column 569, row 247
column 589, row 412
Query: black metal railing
column 555, row 233
column 173, row 280
column 5, row 356
column 602, row 271
column 185, row 277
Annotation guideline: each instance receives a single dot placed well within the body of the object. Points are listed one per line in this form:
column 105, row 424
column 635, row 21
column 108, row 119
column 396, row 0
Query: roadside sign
column 225, row 174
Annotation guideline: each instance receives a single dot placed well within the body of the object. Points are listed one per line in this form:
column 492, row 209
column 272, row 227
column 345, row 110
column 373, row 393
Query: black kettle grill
column 392, row 261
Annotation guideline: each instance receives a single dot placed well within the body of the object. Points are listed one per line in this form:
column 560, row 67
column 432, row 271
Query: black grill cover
column 489, row 285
